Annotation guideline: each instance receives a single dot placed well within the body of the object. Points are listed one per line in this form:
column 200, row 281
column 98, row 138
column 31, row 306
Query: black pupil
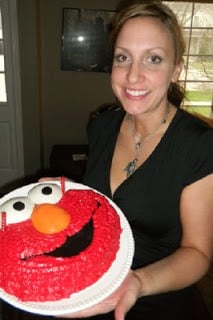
column 19, row 206
column 47, row 190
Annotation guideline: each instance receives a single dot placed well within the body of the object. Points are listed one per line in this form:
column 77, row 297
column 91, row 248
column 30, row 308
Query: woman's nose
column 135, row 72
column 49, row 218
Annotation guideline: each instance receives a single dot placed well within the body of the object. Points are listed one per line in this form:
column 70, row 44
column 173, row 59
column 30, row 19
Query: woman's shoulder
column 195, row 146
column 191, row 138
column 195, row 136
column 193, row 124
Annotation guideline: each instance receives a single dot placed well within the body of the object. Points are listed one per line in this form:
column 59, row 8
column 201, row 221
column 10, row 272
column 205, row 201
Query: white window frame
column 204, row 108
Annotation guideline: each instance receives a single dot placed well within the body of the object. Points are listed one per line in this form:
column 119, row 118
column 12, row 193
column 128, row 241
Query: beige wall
column 29, row 84
column 62, row 98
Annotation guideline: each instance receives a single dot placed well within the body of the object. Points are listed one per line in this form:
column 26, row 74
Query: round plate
column 93, row 294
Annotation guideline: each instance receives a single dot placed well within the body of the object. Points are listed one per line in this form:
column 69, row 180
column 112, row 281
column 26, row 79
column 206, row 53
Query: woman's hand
column 121, row 300
column 59, row 179
column 44, row 179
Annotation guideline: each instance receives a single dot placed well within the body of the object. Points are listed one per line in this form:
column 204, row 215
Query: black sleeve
column 201, row 157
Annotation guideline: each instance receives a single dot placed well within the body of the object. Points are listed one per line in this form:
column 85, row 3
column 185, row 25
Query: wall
column 56, row 103
column 67, row 96
column 29, row 84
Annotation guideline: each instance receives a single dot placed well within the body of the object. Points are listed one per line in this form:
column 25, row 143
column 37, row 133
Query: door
column 11, row 154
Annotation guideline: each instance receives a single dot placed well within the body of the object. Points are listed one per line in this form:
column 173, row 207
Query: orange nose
column 48, row 218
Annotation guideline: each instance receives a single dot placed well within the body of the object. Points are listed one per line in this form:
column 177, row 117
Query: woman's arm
column 189, row 263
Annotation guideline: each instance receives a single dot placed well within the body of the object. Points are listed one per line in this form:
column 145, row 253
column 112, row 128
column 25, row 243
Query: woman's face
column 143, row 65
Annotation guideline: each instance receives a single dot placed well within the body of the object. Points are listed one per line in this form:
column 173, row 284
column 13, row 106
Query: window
column 3, row 95
column 197, row 77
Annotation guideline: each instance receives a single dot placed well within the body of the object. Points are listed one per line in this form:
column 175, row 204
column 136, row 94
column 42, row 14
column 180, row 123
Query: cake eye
column 17, row 209
column 19, row 205
column 45, row 193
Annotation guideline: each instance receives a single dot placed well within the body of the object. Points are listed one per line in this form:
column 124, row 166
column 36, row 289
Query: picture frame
column 85, row 40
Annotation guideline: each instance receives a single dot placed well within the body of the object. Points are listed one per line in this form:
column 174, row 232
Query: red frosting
column 32, row 276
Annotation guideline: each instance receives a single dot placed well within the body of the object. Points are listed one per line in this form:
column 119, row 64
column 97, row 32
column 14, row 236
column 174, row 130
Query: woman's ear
column 177, row 71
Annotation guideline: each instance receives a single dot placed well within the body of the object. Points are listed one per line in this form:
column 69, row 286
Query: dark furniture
column 68, row 160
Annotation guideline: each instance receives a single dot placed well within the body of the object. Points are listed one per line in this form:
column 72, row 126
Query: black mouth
column 75, row 244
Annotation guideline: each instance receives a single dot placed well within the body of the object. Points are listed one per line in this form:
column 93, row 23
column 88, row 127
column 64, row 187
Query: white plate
column 93, row 294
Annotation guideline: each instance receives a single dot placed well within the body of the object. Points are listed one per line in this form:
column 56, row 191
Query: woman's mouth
column 136, row 93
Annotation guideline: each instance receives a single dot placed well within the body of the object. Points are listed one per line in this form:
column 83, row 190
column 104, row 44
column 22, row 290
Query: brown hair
column 162, row 12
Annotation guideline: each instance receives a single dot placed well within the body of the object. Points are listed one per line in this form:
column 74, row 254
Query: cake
column 55, row 243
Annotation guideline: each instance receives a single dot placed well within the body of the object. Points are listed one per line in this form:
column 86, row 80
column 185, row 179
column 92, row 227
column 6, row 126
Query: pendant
column 131, row 167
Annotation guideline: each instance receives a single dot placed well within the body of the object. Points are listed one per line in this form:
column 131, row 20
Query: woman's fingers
column 44, row 179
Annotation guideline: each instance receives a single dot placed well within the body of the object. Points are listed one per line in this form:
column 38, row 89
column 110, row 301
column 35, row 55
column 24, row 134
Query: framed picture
column 85, row 40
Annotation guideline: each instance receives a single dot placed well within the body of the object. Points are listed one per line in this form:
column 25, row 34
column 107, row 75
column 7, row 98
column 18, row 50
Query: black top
column 150, row 197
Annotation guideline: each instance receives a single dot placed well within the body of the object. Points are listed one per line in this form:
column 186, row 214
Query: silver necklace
column 132, row 165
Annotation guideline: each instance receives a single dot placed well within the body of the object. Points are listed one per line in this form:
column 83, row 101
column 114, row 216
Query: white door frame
column 11, row 111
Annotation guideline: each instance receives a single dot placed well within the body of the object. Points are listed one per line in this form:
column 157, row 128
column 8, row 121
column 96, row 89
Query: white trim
column 13, row 106
column 15, row 59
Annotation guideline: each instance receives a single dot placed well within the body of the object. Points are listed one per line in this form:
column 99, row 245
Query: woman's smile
column 137, row 93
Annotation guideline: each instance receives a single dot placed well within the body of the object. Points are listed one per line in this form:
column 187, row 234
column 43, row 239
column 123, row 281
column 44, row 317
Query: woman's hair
column 158, row 10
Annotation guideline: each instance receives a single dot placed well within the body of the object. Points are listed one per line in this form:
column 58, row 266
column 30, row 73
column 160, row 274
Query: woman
column 156, row 162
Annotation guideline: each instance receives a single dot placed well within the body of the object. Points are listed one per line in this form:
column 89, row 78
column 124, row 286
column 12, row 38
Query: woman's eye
column 45, row 193
column 121, row 58
column 154, row 59
column 17, row 209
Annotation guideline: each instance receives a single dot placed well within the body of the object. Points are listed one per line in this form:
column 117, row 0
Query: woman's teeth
column 136, row 93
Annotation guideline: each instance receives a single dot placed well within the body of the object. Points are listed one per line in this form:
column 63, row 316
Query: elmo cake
column 64, row 246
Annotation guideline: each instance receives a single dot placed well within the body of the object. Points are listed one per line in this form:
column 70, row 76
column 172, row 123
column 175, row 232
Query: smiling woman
column 152, row 159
